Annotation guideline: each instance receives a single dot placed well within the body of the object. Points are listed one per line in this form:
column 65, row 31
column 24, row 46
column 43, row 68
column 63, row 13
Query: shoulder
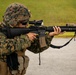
column 2, row 35
column 1, row 24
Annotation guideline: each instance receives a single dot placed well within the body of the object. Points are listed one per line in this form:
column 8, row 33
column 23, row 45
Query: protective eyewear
column 23, row 22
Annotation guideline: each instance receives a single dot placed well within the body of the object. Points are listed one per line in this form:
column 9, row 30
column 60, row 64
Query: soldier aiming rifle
column 13, row 60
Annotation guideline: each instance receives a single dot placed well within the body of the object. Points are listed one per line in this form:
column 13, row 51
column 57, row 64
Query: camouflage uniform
column 19, row 44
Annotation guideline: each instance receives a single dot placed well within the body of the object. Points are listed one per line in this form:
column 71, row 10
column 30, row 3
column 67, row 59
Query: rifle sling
column 58, row 47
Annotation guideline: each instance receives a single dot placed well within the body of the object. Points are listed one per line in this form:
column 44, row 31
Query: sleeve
column 35, row 46
column 8, row 46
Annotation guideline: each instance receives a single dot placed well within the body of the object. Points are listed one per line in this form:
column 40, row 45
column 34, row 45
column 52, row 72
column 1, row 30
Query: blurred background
column 53, row 12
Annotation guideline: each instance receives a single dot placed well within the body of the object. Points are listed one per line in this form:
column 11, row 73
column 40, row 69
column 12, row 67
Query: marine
column 13, row 59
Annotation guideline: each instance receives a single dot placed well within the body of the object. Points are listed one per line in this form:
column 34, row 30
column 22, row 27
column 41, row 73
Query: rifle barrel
column 63, row 28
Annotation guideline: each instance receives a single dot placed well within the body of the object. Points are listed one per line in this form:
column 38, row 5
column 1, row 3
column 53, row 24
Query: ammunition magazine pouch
column 12, row 61
column 3, row 68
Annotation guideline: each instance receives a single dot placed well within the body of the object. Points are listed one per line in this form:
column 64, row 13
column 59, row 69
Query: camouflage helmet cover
column 14, row 13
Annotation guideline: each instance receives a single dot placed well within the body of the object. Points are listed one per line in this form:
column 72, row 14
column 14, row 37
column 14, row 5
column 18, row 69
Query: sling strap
column 58, row 47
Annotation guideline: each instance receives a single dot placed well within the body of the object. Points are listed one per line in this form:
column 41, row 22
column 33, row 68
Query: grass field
column 53, row 12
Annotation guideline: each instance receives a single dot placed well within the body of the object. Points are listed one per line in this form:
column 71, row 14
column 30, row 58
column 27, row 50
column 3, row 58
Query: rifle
column 36, row 28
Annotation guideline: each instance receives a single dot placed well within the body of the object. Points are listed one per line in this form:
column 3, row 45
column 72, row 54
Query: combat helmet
column 15, row 13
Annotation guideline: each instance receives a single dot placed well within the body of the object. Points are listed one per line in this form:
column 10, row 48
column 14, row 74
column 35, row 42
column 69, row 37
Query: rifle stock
column 12, row 32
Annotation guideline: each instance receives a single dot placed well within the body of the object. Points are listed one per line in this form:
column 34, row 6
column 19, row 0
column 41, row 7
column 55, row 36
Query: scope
column 36, row 23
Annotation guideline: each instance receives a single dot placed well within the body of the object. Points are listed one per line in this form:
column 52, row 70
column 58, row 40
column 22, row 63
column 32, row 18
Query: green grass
column 53, row 12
